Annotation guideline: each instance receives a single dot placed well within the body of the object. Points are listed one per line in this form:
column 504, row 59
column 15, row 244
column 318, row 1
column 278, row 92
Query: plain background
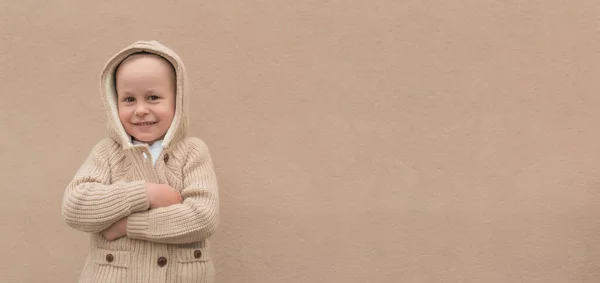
column 354, row 141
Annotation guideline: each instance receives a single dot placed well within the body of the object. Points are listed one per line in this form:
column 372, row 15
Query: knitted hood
column 178, row 129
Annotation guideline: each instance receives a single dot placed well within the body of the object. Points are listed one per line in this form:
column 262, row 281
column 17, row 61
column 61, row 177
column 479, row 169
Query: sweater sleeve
column 91, row 203
column 191, row 221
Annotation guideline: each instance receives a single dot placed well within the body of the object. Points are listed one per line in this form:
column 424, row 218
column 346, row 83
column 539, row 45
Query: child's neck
column 134, row 141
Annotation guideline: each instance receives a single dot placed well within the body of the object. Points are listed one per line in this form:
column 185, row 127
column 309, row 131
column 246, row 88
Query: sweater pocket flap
column 112, row 258
column 193, row 254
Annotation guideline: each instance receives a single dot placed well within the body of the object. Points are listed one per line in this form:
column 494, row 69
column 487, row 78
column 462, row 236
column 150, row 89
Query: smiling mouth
column 145, row 123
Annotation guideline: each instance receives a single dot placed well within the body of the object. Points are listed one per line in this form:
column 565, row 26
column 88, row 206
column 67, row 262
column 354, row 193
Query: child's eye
column 128, row 99
column 153, row 97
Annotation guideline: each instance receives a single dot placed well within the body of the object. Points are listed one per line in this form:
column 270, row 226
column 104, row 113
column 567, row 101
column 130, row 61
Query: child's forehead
column 144, row 63
column 138, row 61
column 144, row 58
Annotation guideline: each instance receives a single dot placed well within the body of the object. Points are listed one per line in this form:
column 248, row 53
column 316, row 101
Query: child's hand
column 161, row 195
column 117, row 230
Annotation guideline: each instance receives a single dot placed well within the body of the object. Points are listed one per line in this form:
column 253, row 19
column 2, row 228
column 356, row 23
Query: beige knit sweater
column 168, row 244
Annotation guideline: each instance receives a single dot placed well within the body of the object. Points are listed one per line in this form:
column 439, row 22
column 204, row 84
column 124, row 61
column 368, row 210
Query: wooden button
column 162, row 261
column 110, row 258
column 197, row 254
column 166, row 157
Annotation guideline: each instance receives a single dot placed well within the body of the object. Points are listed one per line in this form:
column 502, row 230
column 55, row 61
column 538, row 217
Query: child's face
column 146, row 97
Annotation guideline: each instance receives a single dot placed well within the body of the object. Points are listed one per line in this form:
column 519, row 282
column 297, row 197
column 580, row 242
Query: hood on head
column 178, row 128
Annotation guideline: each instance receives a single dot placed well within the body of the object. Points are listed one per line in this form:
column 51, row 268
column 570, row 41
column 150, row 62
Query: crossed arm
column 141, row 210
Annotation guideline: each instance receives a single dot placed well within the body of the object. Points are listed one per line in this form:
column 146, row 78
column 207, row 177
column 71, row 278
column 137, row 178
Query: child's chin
column 148, row 138
column 145, row 139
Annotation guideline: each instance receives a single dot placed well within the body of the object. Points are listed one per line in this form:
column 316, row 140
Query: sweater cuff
column 137, row 225
column 136, row 194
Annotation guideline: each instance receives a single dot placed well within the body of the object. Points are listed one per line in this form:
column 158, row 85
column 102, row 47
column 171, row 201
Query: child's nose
column 141, row 110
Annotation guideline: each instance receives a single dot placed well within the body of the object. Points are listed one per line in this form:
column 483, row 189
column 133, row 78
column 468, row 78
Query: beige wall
column 354, row 141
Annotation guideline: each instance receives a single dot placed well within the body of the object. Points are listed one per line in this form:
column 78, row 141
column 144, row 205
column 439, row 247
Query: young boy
column 148, row 194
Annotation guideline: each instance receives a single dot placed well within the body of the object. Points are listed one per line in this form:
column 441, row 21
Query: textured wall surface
column 354, row 141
